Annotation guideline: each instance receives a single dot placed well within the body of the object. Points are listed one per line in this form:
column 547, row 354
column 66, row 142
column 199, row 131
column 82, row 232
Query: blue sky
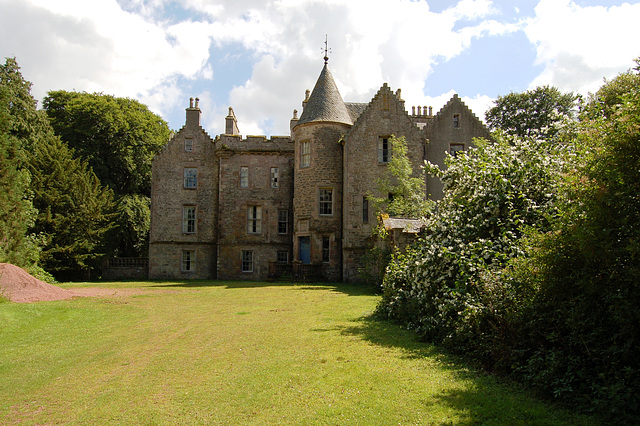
column 259, row 56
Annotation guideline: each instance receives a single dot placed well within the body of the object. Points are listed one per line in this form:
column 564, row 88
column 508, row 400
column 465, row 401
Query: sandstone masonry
column 230, row 208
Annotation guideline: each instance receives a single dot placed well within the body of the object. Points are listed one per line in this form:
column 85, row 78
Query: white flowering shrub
column 447, row 285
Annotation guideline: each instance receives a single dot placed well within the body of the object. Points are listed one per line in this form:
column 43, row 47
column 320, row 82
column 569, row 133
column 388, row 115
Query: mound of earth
column 18, row 285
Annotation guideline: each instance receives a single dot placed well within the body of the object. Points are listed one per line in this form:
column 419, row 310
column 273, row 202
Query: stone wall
column 324, row 172
column 385, row 116
column 259, row 155
column 442, row 132
column 344, row 158
column 165, row 260
column 191, row 147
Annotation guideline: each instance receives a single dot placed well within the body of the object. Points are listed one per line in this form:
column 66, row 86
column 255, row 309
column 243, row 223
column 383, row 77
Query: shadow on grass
column 214, row 283
column 349, row 289
column 486, row 398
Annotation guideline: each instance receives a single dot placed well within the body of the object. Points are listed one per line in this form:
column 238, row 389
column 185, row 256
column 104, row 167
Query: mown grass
column 238, row 353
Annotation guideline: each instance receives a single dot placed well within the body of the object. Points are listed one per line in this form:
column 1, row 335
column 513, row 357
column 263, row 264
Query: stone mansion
column 227, row 207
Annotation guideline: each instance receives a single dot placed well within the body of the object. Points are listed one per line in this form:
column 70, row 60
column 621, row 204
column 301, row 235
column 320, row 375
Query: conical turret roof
column 325, row 102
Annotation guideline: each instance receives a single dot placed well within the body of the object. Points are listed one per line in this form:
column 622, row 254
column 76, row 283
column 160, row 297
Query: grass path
column 237, row 353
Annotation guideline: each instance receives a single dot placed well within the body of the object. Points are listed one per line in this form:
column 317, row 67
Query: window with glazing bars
column 189, row 219
column 254, row 219
column 283, row 221
column 247, row 261
column 326, row 201
column 190, row 177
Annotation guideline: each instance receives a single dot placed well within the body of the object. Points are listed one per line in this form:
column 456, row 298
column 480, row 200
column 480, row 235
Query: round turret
column 318, row 177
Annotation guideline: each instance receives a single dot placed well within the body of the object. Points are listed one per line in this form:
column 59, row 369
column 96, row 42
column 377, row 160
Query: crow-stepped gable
column 245, row 208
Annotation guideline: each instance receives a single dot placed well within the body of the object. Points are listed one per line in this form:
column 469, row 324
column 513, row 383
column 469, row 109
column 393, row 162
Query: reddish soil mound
column 18, row 286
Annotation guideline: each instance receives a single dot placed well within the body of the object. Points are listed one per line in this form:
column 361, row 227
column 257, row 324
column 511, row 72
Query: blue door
column 305, row 250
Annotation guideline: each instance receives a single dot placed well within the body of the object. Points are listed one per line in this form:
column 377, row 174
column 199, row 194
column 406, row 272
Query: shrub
column 447, row 285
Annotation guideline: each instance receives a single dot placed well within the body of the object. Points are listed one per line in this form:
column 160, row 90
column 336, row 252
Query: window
column 188, row 260
column 456, row 121
column 325, row 249
column 244, row 177
column 254, row 220
column 282, row 256
column 190, row 177
column 188, row 144
column 283, row 221
column 247, row 261
column 326, row 201
column 384, row 150
column 189, row 219
column 275, row 176
column 454, row 148
column 305, row 154
column 365, row 210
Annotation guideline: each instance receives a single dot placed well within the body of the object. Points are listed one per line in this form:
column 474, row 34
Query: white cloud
column 97, row 46
column 372, row 42
column 580, row 45
column 135, row 49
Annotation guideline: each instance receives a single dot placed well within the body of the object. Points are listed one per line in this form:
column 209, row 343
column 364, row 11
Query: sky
column 259, row 56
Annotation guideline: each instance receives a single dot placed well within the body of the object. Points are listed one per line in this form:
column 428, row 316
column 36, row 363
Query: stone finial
column 399, row 94
column 295, row 114
column 307, row 93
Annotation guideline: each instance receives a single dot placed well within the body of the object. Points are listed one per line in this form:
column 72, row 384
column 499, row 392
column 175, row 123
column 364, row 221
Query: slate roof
column 410, row 226
column 325, row 102
column 355, row 109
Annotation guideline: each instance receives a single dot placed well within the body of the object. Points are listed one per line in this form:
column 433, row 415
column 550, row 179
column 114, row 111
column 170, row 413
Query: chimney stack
column 193, row 114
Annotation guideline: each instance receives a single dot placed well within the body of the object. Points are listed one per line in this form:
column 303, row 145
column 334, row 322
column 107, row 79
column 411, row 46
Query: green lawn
column 238, row 353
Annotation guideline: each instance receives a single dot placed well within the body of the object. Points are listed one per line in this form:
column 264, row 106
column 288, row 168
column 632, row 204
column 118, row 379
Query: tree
column 540, row 113
column 586, row 271
column 406, row 189
column 610, row 96
column 48, row 197
column 131, row 233
column 75, row 210
column 118, row 137
column 27, row 124
column 443, row 287
column 17, row 246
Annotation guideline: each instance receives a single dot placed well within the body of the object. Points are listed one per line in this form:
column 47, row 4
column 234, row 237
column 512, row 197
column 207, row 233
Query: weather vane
column 326, row 49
